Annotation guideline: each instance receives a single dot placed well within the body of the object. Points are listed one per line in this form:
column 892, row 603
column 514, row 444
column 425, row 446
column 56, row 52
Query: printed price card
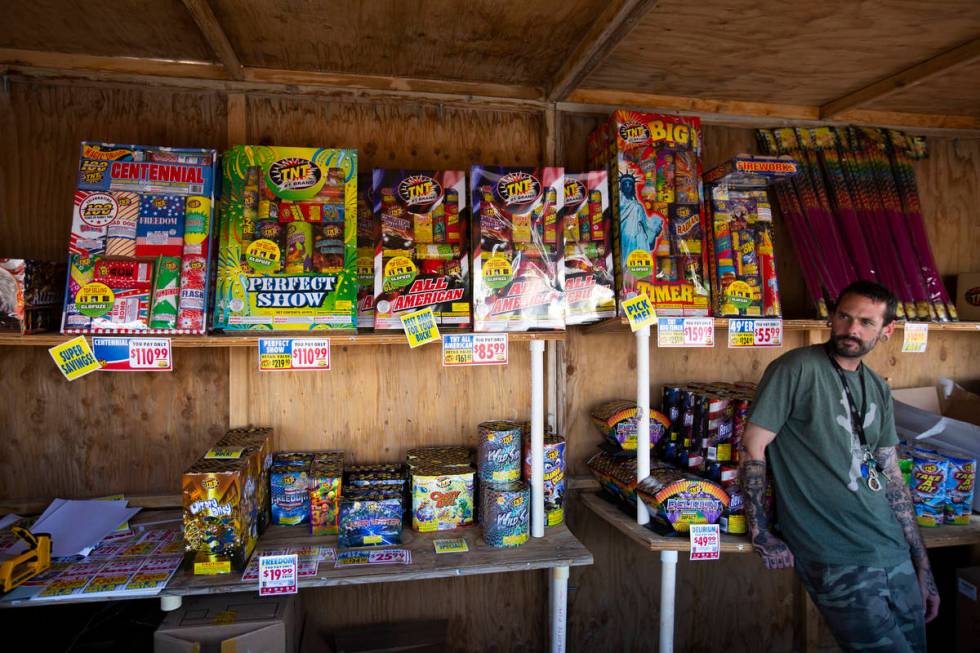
column 74, row 358
column 420, row 327
column 916, row 338
column 639, row 312
column 134, row 354
column 685, row 332
column 277, row 574
column 380, row 557
column 474, row 349
column 705, row 542
column 451, row 545
column 755, row 332
column 294, row 354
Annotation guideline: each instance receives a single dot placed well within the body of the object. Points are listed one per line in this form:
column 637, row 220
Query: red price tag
column 311, row 354
column 699, row 332
column 490, row 348
column 277, row 574
column 768, row 333
column 150, row 354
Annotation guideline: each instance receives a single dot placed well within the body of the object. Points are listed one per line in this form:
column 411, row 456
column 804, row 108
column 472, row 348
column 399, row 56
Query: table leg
column 668, row 585
column 169, row 603
column 559, row 608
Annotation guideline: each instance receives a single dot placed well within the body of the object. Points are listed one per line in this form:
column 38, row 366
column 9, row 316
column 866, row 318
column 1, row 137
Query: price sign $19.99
column 277, row 574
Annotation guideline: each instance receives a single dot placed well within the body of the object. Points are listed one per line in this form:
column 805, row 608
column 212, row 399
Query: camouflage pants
column 868, row 608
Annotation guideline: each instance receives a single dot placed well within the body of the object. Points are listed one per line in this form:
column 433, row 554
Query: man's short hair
column 876, row 293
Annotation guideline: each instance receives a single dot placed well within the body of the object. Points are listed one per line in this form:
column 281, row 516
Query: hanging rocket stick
column 891, row 214
column 855, row 171
column 901, row 160
column 824, row 141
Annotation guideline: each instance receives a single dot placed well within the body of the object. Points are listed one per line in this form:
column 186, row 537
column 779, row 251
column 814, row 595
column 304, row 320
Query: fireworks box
column 518, row 271
column 370, row 519
column 287, row 253
column 654, row 163
column 590, row 289
column 368, row 233
column 741, row 260
column 31, row 295
column 258, row 438
column 139, row 250
column 222, row 506
column 420, row 260
column 326, row 474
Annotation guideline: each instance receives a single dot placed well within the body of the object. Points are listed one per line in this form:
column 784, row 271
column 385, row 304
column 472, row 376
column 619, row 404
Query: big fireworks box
column 288, row 240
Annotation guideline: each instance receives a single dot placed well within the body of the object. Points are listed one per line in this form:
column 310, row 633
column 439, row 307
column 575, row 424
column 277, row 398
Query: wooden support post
column 237, row 127
column 805, row 635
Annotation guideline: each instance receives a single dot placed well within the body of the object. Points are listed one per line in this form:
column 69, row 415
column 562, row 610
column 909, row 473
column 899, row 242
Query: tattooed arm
column 752, row 477
column 901, row 502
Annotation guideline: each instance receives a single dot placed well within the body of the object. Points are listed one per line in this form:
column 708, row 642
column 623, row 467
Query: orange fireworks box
column 223, row 504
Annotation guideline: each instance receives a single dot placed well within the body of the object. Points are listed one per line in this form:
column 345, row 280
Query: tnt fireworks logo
column 972, row 296
column 574, row 193
column 518, row 190
column 634, row 132
column 419, row 191
column 295, row 174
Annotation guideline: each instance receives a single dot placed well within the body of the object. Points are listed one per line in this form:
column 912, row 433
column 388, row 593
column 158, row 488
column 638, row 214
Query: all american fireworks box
column 139, row 251
column 590, row 288
column 288, row 240
column 654, row 162
column 518, row 268
column 421, row 260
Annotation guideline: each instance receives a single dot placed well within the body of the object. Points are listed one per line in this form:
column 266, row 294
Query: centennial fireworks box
column 31, row 294
column 420, row 260
column 222, row 507
column 654, row 162
column 287, row 254
column 139, row 251
column 518, row 271
column 590, row 288
column 740, row 236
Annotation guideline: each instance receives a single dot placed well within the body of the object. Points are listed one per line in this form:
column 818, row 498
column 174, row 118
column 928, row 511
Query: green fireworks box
column 287, row 251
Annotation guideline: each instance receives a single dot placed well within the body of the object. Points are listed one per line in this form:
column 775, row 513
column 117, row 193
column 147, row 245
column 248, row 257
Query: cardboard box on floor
column 967, row 610
column 944, row 416
column 241, row 622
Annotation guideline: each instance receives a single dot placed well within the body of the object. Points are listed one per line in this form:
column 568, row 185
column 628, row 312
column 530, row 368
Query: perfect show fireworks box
column 288, row 241
column 139, row 250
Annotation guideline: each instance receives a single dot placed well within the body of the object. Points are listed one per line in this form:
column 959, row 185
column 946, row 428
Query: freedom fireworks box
column 518, row 271
column 654, row 163
column 287, row 253
column 222, row 507
column 741, row 259
column 590, row 289
column 139, row 250
column 420, row 260
column 31, row 294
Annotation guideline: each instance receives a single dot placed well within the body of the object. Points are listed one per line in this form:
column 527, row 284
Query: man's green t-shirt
column 824, row 508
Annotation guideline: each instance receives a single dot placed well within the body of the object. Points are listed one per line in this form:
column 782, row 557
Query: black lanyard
column 857, row 418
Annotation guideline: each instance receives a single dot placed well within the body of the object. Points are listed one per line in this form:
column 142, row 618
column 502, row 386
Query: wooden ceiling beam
column 938, row 65
column 215, row 35
column 615, row 23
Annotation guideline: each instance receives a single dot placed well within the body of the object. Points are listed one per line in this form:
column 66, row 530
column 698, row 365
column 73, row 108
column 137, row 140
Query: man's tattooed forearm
column 753, row 477
column 900, row 501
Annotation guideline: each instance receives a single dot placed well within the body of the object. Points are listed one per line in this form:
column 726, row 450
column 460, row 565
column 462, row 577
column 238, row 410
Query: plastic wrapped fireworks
column 617, row 421
column 678, row 499
column 139, row 249
column 287, row 254
column 654, row 162
column 590, row 287
column 740, row 236
column 518, row 271
column 420, row 256
column 368, row 233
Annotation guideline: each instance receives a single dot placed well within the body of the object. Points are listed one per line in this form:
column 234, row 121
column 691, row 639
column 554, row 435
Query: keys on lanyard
column 869, row 470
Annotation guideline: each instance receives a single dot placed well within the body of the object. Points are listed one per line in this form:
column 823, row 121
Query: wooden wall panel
column 106, row 432
column 41, row 127
column 399, row 135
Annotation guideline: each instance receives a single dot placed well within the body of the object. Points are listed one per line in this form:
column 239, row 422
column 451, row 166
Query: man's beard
column 841, row 348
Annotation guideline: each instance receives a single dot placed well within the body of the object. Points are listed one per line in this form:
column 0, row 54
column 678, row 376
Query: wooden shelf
column 343, row 340
column 934, row 538
column 558, row 548
column 621, row 325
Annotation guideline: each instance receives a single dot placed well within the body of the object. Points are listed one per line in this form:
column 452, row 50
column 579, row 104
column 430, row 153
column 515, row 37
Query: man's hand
column 773, row 551
column 930, row 595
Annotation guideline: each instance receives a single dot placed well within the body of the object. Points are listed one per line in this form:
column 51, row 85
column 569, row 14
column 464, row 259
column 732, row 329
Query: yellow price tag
column 74, row 358
column 420, row 327
column 451, row 545
column 639, row 312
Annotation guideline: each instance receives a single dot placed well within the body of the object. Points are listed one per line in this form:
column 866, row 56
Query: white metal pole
column 537, row 438
column 668, row 585
column 559, row 608
column 551, row 406
column 169, row 602
column 643, row 428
